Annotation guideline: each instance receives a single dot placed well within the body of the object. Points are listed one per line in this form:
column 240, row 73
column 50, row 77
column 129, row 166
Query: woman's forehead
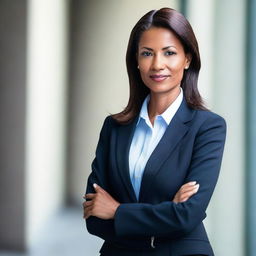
column 156, row 37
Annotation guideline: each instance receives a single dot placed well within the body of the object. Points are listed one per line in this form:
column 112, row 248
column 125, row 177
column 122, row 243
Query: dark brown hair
column 178, row 24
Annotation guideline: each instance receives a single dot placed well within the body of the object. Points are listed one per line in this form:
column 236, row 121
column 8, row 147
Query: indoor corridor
column 65, row 235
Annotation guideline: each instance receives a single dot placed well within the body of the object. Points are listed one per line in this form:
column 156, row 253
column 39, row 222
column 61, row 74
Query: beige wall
column 229, row 101
column 222, row 82
column 33, row 111
column 46, row 112
column 98, row 79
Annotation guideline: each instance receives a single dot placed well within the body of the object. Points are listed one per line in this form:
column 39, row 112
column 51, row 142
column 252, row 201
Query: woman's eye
column 146, row 53
column 168, row 53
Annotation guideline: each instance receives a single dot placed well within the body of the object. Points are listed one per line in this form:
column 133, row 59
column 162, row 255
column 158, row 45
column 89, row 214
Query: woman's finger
column 191, row 183
column 99, row 189
column 184, row 194
column 184, row 200
column 89, row 196
column 189, row 193
column 88, row 203
column 189, row 188
column 88, row 211
column 87, row 215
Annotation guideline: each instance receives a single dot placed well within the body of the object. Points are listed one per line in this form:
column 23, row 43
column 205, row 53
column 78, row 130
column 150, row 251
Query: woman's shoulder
column 112, row 121
column 109, row 122
column 109, row 119
column 208, row 116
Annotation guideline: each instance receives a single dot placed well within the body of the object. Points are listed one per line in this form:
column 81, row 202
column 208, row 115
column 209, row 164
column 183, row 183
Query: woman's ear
column 188, row 60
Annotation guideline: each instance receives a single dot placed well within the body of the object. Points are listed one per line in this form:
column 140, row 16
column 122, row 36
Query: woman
column 142, row 197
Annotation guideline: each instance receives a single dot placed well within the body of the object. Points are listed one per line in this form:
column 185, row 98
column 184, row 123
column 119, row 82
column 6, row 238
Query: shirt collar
column 167, row 115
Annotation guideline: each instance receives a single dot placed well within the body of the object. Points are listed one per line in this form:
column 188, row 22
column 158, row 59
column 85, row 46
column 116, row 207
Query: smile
column 158, row 78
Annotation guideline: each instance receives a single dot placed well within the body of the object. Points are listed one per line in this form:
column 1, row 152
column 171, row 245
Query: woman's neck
column 159, row 102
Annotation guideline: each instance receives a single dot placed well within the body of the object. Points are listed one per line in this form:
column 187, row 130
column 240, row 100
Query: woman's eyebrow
column 147, row 48
column 165, row 48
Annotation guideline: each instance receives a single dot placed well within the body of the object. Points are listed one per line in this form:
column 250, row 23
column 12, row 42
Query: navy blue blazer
column 191, row 149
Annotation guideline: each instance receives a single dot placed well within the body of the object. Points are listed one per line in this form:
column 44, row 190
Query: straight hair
column 174, row 21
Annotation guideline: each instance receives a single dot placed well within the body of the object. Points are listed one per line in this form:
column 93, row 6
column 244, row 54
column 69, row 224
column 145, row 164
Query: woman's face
column 161, row 59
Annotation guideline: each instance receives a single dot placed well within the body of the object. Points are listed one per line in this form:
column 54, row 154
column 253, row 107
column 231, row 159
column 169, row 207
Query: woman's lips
column 158, row 78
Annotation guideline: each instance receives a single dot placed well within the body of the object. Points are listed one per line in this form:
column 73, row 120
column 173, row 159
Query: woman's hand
column 186, row 191
column 101, row 205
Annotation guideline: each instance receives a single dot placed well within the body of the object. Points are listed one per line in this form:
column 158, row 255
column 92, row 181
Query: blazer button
column 152, row 242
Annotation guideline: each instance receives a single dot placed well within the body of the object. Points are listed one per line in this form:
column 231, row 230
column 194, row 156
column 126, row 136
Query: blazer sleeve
column 168, row 219
column 96, row 226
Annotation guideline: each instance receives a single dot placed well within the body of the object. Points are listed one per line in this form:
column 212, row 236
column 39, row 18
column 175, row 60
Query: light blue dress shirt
column 146, row 138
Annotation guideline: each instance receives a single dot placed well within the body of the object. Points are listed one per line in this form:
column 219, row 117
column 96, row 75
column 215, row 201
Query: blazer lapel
column 173, row 134
column 124, row 139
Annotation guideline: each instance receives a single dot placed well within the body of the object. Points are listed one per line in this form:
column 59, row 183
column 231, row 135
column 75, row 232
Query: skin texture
column 101, row 204
column 159, row 53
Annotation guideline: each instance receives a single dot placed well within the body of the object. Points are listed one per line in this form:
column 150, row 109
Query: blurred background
column 62, row 71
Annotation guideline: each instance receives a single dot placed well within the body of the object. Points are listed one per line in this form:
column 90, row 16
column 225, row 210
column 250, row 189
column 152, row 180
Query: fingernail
column 192, row 182
column 94, row 185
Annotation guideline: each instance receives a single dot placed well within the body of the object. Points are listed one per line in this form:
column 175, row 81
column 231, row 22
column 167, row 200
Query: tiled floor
column 65, row 235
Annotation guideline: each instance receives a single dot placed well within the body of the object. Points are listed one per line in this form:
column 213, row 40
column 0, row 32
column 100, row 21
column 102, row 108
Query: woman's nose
column 158, row 63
